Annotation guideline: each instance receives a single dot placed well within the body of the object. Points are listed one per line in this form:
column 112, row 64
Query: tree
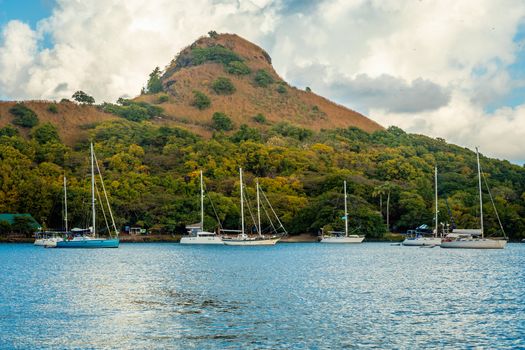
column 53, row 108
column 384, row 189
column 163, row 98
column 83, row 98
column 45, row 133
column 24, row 116
column 259, row 118
column 223, row 86
column 238, row 68
column 221, row 122
column 154, row 84
column 263, row 78
column 200, row 100
column 23, row 225
column 9, row 131
column 246, row 133
column 5, row 227
column 281, row 89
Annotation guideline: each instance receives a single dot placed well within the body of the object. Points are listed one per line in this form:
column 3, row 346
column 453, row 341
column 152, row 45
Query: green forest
column 151, row 173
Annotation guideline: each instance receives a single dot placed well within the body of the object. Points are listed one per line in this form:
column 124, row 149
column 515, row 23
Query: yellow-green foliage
column 152, row 175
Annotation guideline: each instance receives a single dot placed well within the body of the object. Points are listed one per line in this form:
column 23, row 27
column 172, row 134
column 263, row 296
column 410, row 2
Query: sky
column 444, row 68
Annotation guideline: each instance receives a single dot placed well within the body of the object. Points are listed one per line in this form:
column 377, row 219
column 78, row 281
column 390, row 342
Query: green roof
column 10, row 218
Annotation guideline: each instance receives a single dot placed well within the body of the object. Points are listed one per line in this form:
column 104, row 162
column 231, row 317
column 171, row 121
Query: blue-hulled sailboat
column 91, row 240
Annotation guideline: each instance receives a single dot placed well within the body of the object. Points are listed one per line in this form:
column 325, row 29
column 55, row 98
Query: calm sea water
column 291, row 296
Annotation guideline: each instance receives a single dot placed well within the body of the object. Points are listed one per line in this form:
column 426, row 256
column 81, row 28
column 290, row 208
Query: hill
column 152, row 148
column 258, row 89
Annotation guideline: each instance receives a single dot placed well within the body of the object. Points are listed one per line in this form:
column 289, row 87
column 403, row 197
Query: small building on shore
column 21, row 223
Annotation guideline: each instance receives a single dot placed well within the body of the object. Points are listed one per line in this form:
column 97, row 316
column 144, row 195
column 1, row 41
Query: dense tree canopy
column 151, row 174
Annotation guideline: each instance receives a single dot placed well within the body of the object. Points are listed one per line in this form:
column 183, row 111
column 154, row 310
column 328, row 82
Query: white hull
column 201, row 240
column 48, row 241
column 343, row 239
column 422, row 241
column 251, row 241
column 475, row 243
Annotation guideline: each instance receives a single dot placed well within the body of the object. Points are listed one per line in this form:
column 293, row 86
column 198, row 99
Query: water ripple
column 291, row 296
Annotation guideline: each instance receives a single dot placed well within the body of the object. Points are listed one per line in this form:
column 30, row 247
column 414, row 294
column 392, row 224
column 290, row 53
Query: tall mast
column 65, row 204
column 436, row 198
column 93, row 188
column 346, row 213
column 258, row 209
column 480, row 194
column 242, row 203
column 202, row 204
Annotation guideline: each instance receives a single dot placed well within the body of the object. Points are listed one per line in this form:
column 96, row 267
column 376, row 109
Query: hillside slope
column 196, row 68
column 71, row 119
column 209, row 58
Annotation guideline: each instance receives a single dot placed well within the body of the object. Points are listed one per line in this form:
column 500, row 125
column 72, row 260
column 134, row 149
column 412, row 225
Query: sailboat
column 420, row 240
column 201, row 236
column 242, row 238
column 346, row 238
column 475, row 238
column 50, row 239
column 91, row 240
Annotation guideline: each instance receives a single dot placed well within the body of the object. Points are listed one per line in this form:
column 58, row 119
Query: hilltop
column 256, row 96
column 258, row 89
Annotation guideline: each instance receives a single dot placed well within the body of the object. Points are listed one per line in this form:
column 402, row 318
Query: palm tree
column 380, row 191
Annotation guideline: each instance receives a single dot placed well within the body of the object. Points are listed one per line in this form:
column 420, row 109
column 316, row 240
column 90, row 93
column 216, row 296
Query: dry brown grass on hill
column 295, row 106
column 69, row 119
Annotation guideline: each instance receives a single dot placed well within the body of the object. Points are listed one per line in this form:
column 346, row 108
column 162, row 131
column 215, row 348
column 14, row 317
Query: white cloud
column 423, row 65
column 16, row 57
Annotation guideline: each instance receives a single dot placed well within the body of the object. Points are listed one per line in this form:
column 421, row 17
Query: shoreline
column 301, row 238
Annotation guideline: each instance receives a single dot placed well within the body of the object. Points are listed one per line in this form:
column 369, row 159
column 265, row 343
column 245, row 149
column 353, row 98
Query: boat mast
column 202, row 204
column 258, row 209
column 65, row 204
column 346, row 213
column 436, row 198
column 242, row 203
column 93, row 187
column 480, row 194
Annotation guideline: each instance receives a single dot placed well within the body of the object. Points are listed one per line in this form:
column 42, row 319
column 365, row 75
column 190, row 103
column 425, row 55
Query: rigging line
column 273, row 211
column 102, row 207
column 250, row 209
column 214, row 211
column 213, row 207
column 494, row 205
column 268, row 216
column 105, row 194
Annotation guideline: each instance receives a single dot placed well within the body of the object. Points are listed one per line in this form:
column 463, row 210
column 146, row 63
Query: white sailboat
column 347, row 238
column 420, row 240
column 51, row 238
column 201, row 236
column 242, row 238
column 475, row 238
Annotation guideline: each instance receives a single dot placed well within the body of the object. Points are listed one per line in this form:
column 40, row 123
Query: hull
column 474, row 244
column 251, row 242
column 342, row 240
column 201, row 240
column 89, row 243
column 47, row 241
column 422, row 241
